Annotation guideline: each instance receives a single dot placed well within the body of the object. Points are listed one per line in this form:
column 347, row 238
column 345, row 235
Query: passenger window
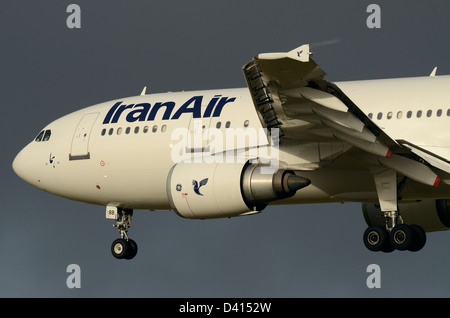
column 409, row 114
column 136, row 129
column 127, row 131
column 439, row 113
column 227, row 124
column 429, row 113
column 246, row 123
column 103, row 131
column 380, row 115
column 145, row 129
column 39, row 137
column 110, row 132
column 419, row 113
column 119, row 130
column 399, row 114
column 164, row 128
column 47, row 135
column 155, row 128
column 448, row 112
column 389, row 115
column 370, row 115
column 218, row 124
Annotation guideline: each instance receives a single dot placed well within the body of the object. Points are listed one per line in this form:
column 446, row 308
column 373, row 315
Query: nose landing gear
column 124, row 247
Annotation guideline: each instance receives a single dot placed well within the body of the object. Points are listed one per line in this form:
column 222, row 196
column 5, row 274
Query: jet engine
column 217, row 190
column 431, row 215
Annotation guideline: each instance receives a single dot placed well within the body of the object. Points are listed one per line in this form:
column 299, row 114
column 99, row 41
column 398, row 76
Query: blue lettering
column 138, row 114
column 111, row 112
column 119, row 112
column 195, row 110
column 221, row 104
column 145, row 112
column 169, row 107
column 210, row 106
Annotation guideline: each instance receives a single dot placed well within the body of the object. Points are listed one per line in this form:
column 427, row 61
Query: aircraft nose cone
column 23, row 166
column 18, row 164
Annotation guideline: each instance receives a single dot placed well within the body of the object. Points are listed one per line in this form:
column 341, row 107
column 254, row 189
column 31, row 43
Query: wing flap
column 290, row 93
column 347, row 120
column 323, row 98
column 433, row 160
column 412, row 169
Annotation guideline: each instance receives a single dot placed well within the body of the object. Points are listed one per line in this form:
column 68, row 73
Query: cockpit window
column 47, row 135
column 44, row 135
column 39, row 137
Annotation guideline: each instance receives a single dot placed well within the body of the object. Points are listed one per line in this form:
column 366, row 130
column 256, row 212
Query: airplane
column 290, row 137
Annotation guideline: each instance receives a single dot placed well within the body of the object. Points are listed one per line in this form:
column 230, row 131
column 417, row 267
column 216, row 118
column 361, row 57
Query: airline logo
column 147, row 112
column 198, row 185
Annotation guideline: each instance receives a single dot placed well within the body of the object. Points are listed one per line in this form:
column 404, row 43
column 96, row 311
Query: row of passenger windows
column 146, row 129
column 409, row 114
column 43, row 135
column 136, row 130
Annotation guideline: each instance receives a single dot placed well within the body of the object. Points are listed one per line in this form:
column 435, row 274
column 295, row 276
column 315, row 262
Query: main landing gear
column 395, row 235
column 124, row 247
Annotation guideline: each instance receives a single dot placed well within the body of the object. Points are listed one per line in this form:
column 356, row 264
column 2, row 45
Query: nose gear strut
column 124, row 247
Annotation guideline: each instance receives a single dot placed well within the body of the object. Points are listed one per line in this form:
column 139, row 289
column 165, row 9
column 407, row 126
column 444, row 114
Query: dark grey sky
column 49, row 70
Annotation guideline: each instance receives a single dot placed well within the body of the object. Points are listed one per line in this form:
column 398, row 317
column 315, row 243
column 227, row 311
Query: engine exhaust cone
column 295, row 182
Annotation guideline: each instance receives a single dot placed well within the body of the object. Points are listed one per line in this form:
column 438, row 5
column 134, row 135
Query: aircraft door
column 198, row 138
column 80, row 140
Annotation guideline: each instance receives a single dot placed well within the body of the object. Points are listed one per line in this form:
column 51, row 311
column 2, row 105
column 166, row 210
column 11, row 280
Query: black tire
column 388, row 248
column 120, row 248
column 402, row 237
column 132, row 251
column 376, row 238
column 420, row 238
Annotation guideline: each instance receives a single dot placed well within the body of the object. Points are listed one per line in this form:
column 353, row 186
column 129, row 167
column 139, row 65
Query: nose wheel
column 124, row 247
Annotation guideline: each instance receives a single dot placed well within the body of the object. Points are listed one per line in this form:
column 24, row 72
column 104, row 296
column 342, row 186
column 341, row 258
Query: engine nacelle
column 217, row 190
column 432, row 215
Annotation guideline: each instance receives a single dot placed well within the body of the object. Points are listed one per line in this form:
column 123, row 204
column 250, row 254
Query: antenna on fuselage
column 433, row 73
column 144, row 91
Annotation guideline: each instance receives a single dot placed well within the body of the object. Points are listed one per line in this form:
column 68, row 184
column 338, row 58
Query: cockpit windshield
column 43, row 135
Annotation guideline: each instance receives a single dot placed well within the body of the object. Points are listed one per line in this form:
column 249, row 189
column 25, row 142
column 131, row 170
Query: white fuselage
column 414, row 109
column 120, row 152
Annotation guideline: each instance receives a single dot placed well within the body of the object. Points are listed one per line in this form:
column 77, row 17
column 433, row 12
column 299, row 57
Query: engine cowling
column 217, row 190
column 431, row 215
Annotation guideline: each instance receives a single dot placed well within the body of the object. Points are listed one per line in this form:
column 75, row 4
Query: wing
column 203, row 182
column 290, row 92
